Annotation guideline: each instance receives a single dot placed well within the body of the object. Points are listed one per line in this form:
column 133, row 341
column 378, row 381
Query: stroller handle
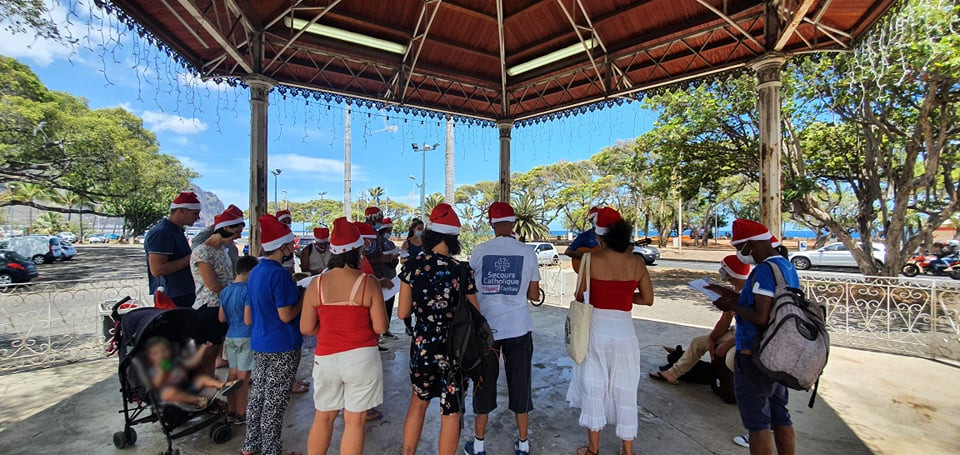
column 115, row 314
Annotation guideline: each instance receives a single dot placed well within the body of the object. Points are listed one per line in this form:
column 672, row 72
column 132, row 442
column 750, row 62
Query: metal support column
column 768, row 69
column 347, row 166
column 505, row 128
column 448, row 175
column 259, row 102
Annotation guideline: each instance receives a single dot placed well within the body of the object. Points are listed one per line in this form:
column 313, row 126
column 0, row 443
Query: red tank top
column 612, row 295
column 345, row 325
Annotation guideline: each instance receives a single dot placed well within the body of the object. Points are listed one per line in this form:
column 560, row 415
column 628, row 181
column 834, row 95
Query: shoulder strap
column 584, row 273
column 777, row 274
column 320, row 287
column 356, row 285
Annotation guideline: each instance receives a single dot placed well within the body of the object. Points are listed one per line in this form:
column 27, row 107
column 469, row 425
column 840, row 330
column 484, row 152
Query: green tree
column 528, row 224
column 30, row 17
column 49, row 223
column 432, row 200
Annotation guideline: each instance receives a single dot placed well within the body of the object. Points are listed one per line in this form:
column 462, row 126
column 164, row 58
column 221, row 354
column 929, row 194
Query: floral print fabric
column 435, row 280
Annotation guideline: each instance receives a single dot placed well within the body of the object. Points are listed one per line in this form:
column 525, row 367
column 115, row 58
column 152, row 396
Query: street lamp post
column 323, row 211
column 423, row 149
column 276, row 178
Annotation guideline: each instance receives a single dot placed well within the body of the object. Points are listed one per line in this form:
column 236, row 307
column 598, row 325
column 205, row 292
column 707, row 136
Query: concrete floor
column 870, row 403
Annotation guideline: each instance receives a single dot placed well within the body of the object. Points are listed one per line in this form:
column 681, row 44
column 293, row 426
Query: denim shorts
column 239, row 353
column 762, row 402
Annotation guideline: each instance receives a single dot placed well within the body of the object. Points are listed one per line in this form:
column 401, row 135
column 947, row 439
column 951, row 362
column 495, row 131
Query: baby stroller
column 141, row 403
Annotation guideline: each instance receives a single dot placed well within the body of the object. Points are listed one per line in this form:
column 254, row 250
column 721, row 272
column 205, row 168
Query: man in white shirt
column 506, row 276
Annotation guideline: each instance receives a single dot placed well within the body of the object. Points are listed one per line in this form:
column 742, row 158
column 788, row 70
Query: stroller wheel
column 131, row 436
column 120, row 440
column 220, row 432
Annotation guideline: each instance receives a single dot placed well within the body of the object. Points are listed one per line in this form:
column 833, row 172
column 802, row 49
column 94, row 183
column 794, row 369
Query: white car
column 68, row 236
column 546, row 253
column 832, row 255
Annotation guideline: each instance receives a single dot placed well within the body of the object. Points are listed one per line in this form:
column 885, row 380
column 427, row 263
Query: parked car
column 68, row 236
column 546, row 253
column 302, row 243
column 68, row 250
column 97, row 238
column 832, row 255
column 39, row 248
column 15, row 268
column 650, row 254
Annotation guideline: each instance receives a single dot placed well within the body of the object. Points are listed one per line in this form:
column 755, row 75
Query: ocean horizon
column 788, row 234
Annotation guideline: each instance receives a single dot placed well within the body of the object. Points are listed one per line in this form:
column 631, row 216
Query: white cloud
column 74, row 29
column 192, row 80
column 191, row 163
column 162, row 121
column 319, row 168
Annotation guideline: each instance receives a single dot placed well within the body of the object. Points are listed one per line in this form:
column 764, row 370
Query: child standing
column 235, row 311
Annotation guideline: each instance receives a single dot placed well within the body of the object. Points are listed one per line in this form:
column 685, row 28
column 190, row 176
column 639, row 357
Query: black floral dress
column 435, row 280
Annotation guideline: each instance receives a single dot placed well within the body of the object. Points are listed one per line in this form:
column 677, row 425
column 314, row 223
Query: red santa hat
column 186, row 200
column 443, row 220
column 284, row 214
column 371, row 211
column 226, row 219
column 346, row 236
column 273, row 233
column 234, row 210
column 386, row 223
column 606, row 217
column 501, row 212
column 734, row 267
column 746, row 230
column 774, row 241
column 366, row 230
column 592, row 214
column 321, row 234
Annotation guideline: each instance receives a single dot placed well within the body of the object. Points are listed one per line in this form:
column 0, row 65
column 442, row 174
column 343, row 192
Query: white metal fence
column 49, row 323
column 45, row 324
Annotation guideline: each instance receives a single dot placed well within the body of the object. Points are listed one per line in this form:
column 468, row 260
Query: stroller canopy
column 137, row 326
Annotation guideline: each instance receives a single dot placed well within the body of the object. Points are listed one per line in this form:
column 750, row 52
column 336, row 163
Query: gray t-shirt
column 503, row 268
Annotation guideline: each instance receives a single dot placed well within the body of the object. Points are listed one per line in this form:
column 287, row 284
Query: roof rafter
column 215, row 34
column 300, row 33
column 791, row 27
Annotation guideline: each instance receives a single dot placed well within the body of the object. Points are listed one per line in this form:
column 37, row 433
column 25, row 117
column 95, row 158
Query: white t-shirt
column 503, row 269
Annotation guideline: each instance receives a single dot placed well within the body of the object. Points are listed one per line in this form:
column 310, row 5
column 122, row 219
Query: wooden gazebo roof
column 521, row 60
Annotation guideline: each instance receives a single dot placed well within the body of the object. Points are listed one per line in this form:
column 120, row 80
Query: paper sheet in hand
column 394, row 252
column 701, row 286
column 389, row 293
column 305, row 283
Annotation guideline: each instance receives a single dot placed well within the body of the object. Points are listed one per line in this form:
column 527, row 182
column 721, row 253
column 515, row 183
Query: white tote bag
column 577, row 326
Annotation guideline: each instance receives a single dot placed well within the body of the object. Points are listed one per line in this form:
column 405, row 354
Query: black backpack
column 469, row 338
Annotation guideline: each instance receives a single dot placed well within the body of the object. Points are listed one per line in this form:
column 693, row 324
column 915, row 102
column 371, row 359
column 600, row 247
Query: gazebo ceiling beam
column 182, row 22
column 504, row 101
column 300, row 33
column 788, row 30
column 294, row 6
column 469, row 11
column 732, row 23
column 243, row 9
column 417, row 40
column 587, row 48
column 215, row 34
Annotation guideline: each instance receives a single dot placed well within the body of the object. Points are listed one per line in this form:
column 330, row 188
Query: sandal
column 300, row 387
column 585, row 450
column 660, row 377
column 374, row 414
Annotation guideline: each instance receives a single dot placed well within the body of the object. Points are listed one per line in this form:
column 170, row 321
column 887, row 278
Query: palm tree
column 49, row 223
column 528, row 225
column 432, row 200
column 32, row 192
column 375, row 194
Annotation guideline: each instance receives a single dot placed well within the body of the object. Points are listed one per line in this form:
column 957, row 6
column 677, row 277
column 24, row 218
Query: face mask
column 376, row 226
column 746, row 259
column 723, row 275
column 418, row 234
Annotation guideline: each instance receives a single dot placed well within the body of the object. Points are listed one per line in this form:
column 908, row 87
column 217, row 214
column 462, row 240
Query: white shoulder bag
column 577, row 326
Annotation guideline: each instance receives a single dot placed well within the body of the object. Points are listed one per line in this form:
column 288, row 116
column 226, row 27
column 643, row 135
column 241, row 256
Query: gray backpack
column 794, row 347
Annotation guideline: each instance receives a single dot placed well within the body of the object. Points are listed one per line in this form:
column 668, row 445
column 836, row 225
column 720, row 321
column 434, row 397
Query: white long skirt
column 604, row 386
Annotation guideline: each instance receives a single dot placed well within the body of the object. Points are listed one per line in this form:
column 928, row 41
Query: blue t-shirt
column 761, row 282
column 271, row 287
column 233, row 299
column 167, row 239
column 586, row 238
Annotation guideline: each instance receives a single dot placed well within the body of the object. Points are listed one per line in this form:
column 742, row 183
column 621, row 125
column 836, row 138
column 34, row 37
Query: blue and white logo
column 501, row 275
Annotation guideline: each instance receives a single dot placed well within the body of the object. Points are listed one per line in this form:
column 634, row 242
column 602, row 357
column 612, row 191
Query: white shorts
column 351, row 380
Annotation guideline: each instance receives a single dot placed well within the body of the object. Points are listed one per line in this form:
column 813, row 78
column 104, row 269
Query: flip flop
column 374, row 414
column 300, row 387
column 585, row 450
column 660, row 377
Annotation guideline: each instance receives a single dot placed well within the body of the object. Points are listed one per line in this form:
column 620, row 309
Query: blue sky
column 207, row 126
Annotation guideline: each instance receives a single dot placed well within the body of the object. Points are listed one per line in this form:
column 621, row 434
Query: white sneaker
column 742, row 440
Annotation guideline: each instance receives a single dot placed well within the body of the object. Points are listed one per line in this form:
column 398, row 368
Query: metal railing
column 912, row 316
column 45, row 324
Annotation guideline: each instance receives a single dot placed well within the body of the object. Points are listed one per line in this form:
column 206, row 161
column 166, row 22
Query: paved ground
column 870, row 403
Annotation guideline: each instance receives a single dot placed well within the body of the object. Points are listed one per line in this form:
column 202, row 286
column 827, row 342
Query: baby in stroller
column 177, row 382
